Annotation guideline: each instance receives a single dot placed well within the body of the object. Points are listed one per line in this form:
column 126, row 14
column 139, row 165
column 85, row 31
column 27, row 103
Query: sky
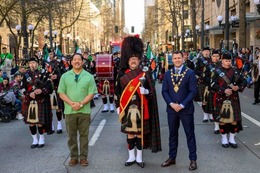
column 134, row 15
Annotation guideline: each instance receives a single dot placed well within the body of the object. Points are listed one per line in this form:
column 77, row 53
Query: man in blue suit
column 179, row 89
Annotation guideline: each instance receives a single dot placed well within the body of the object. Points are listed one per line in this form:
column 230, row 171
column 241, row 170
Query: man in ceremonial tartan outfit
column 200, row 68
column 209, row 92
column 52, row 67
column 129, row 92
column 36, row 107
column 227, row 82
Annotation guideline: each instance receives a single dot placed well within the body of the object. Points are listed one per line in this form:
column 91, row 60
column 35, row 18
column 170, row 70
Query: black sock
column 33, row 129
column 40, row 130
column 59, row 115
column 138, row 143
column 111, row 99
column 131, row 143
column 104, row 100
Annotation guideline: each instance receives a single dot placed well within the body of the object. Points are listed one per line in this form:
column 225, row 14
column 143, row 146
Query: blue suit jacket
column 186, row 93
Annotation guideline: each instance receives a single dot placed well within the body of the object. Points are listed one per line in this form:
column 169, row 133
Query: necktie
column 177, row 72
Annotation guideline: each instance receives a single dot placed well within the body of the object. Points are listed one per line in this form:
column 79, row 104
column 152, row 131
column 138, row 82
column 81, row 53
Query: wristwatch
column 81, row 105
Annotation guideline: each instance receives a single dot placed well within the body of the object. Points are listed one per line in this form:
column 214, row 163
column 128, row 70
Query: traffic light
column 132, row 29
column 116, row 29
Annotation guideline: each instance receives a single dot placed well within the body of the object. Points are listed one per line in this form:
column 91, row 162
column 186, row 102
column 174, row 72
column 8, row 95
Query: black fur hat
column 226, row 56
column 131, row 46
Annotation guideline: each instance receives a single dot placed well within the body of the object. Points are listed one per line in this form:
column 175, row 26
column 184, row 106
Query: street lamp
column 47, row 35
column 220, row 19
column 257, row 3
column 25, row 35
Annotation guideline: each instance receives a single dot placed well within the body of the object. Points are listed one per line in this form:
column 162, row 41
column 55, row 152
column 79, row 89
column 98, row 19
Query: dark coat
column 184, row 96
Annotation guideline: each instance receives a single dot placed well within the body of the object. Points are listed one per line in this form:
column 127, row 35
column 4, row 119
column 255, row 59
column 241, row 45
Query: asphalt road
column 108, row 150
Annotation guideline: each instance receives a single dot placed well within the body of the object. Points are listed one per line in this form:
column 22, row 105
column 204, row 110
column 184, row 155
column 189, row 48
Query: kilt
column 209, row 108
column 111, row 87
column 200, row 93
column 146, row 126
column 44, row 112
column 235, row 102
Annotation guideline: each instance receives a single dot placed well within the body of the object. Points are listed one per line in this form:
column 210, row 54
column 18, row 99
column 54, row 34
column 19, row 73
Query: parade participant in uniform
column 129, row 93
column 200, row 68
column 187, row 61
column 161, row 66
column 77, row 88
column 209, row 92
column 178, row 90
column 106, row 89
column 226, row 83
column 256, row 79
column 88, row 66
column 36, row 107
column 52, row 67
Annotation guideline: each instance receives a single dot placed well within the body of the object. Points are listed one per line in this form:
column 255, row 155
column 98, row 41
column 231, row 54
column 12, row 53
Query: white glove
column 118, row 110
column 144, row 91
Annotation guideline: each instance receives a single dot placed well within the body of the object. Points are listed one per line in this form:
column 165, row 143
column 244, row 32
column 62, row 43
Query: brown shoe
column 73, row 162
column 83, row 162
column 193, row 165
column 168, row 162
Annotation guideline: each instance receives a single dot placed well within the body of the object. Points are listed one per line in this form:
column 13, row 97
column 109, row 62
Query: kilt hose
column 111, row 87
column 44, row 113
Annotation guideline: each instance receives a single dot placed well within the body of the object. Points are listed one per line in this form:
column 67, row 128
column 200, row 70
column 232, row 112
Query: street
column 108, row 149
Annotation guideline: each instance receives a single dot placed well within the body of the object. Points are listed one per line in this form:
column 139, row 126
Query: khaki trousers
column 78, row 123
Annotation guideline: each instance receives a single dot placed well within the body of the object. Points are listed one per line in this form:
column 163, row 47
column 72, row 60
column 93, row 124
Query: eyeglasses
column 76, row 77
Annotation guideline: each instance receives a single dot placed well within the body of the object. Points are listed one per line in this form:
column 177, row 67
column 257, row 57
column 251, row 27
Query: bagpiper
column 200, row 68
column 36, row 107
column 227, row 82
column 136, row 102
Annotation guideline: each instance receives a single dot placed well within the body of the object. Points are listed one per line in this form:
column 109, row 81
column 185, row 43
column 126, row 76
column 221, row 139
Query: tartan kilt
column 209, row 107
column 111, row 87
column 146, row 125
column 200, row 93
column 60, row 101
column 235, row 102
column 44, row 113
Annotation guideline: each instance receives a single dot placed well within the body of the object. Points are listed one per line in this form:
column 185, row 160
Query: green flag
column 45, row 52
column 149, row 53
column 58, row 52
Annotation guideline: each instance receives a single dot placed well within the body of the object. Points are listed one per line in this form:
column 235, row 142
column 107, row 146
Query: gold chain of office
column 176, row 85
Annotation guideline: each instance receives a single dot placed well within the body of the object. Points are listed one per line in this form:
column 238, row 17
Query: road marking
column 251, row 119
column 97, row 133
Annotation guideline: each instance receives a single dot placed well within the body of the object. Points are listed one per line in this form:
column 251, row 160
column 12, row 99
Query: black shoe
column 211, row 120
column 112, row 111
column 168, row 162
column 103, row 111
column 50, row 132
column 225, row 145
column 233, row 145
column 141, row 164
column 34, row 145
column 129, row 163
column 205, row 121
column 40, row 145
column 193, row 165
column 256, row 102
column 216, row 132
column 59, row 131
